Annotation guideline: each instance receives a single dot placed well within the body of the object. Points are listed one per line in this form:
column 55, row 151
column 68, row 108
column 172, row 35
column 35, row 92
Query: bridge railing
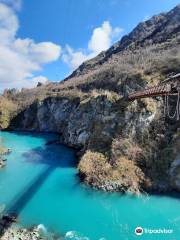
column 170, row 86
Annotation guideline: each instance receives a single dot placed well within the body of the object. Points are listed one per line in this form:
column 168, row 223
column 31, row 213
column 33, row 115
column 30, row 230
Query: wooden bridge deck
column 170, row 86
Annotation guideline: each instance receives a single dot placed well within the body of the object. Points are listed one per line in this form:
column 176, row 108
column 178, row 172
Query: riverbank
column 10, row 230
column 3, row 152
column 33, row 233
column 24, row 234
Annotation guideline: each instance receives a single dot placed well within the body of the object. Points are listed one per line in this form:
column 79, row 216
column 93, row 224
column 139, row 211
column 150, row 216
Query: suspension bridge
column 168, row 87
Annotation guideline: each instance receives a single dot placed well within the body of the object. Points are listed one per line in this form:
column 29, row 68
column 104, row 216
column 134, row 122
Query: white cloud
column 74, row 58
column 101, row 39
column 15, row 4
column 20, row 58
column 40, row 79
column 24, row 83
column 43, row 52
column 8, row 24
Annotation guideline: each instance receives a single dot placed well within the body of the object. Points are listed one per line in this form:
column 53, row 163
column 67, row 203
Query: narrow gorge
column 90, row 112
column 82, row 150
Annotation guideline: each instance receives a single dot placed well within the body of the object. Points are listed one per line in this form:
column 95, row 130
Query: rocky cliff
column 123, row 146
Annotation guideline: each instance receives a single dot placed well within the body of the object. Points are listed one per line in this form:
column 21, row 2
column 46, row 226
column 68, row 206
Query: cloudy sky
column 46, row 40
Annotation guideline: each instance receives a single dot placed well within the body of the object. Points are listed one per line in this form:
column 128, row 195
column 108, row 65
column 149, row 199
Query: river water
column 40, row 183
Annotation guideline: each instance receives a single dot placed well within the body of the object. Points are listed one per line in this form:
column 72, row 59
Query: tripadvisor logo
column 139, row 231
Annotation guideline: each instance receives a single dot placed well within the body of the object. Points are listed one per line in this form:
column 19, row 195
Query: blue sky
column 75, row 30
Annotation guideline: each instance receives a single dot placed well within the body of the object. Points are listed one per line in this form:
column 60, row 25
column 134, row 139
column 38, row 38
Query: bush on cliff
column 7, row 110
column 123, row 175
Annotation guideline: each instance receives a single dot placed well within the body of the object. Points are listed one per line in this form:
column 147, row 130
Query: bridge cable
column 167, row 107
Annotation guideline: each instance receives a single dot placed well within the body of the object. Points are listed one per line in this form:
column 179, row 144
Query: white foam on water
column 73, row 235
column 42, row 229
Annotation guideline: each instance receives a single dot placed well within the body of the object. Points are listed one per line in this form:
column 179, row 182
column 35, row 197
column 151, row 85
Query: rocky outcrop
column 3, row 151
column 34, row 233
column 14, row 233
column 84, row 122
column 74, row 119
column 92, row 124
column 9, row 230
column 2, row 163
column 175, row 174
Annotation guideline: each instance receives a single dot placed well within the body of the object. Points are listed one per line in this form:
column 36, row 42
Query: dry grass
column 95, row 169
column 146, row 66
column 93, row 164
column 125, row 147
column 7, row 110
column 126, row 170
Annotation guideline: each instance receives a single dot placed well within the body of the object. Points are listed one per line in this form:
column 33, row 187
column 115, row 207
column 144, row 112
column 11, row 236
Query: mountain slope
column 158, row 29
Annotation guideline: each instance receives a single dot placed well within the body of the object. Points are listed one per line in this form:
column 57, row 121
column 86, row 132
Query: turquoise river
column 40, row 183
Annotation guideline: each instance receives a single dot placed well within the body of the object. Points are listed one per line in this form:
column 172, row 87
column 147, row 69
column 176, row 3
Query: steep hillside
column 123, row 146
column 159, row 29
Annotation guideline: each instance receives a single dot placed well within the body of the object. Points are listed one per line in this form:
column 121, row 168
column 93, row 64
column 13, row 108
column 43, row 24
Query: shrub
column 127, row 171
column 92, row 164
column 124, row 175
column 7, row 111
column 125, row 147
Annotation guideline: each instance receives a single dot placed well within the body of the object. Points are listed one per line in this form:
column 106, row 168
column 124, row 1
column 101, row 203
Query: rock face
column 89, row 110
column 93, row 124
column 74, row 119
column 78, row 120
column 175, row 174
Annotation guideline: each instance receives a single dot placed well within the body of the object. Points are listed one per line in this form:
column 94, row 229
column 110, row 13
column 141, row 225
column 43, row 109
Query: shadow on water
column 171, row 194
column 21, row 200
column 51, row 157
